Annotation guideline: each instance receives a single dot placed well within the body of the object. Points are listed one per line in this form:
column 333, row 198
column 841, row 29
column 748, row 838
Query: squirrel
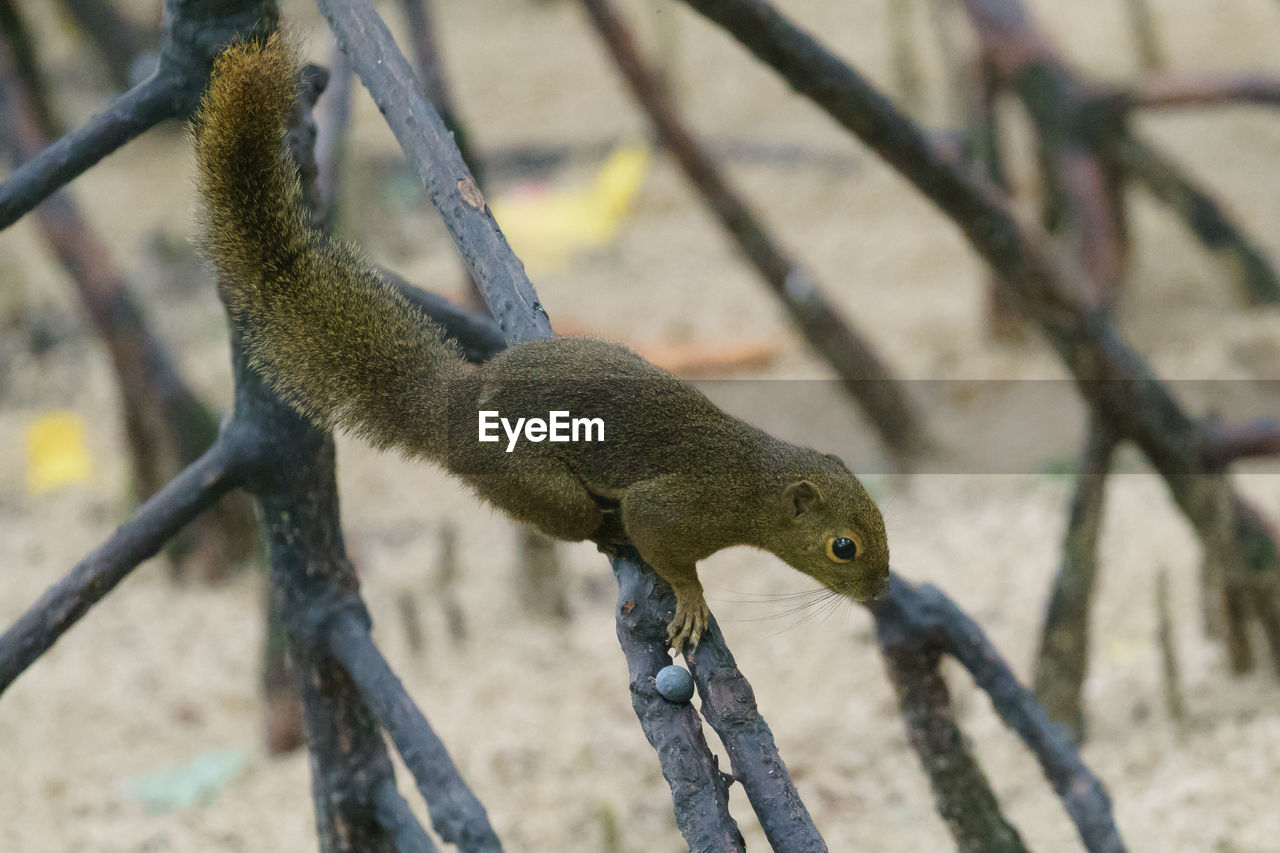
column 675, row 477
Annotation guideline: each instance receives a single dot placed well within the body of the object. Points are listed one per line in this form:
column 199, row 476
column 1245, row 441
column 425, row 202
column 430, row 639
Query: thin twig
column 1206, row 218
column 1142, row 25
column 1064, row 640
column 1182, row 91
column 157, row 98
column 1170, row 673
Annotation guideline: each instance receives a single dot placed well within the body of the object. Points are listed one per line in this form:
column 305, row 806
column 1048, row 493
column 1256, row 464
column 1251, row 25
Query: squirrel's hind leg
column 545, row 494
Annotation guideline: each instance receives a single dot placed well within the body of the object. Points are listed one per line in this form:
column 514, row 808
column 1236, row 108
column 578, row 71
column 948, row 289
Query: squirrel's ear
column 800, row 497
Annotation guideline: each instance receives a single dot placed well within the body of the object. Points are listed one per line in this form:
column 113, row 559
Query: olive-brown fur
column 675, row 476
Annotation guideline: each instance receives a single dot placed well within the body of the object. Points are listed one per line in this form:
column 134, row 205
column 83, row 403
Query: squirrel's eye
column 842, row 550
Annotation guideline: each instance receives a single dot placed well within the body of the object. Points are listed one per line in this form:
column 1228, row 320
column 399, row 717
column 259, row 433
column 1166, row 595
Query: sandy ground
column 537, row 714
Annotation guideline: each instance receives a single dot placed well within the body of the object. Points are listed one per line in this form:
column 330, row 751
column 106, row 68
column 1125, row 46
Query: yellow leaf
column 57, row 455
column 546, row 226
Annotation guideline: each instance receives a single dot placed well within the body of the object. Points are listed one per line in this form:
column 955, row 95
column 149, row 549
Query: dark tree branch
column 699, row 790
column 1064, row 641
column 311, row 581
column 334, row 631
column 456, row 814
column 427, row 143
column 864, row 375
column 507, row 290
column 157, row 98
column 1046, row 285
column 909, row 613
column 194, row 32
column 155, row 522
column 430, row 68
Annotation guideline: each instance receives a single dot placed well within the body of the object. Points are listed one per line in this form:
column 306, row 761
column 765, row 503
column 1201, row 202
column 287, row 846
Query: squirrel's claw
column 689, row 622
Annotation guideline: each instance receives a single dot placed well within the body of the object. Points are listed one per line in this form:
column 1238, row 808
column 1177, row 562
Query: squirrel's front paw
column 688, row 623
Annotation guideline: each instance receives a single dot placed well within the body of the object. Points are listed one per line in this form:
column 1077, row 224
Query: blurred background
column 143, row 730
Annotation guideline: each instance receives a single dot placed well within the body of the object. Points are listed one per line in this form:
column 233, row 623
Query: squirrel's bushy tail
column 324, row 327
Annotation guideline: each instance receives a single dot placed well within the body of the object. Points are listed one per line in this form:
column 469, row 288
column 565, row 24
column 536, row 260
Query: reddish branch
column 864, row 375
column 1079, row 190
column 1088, row 151
column 1180, row 91
column 1226, row 444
